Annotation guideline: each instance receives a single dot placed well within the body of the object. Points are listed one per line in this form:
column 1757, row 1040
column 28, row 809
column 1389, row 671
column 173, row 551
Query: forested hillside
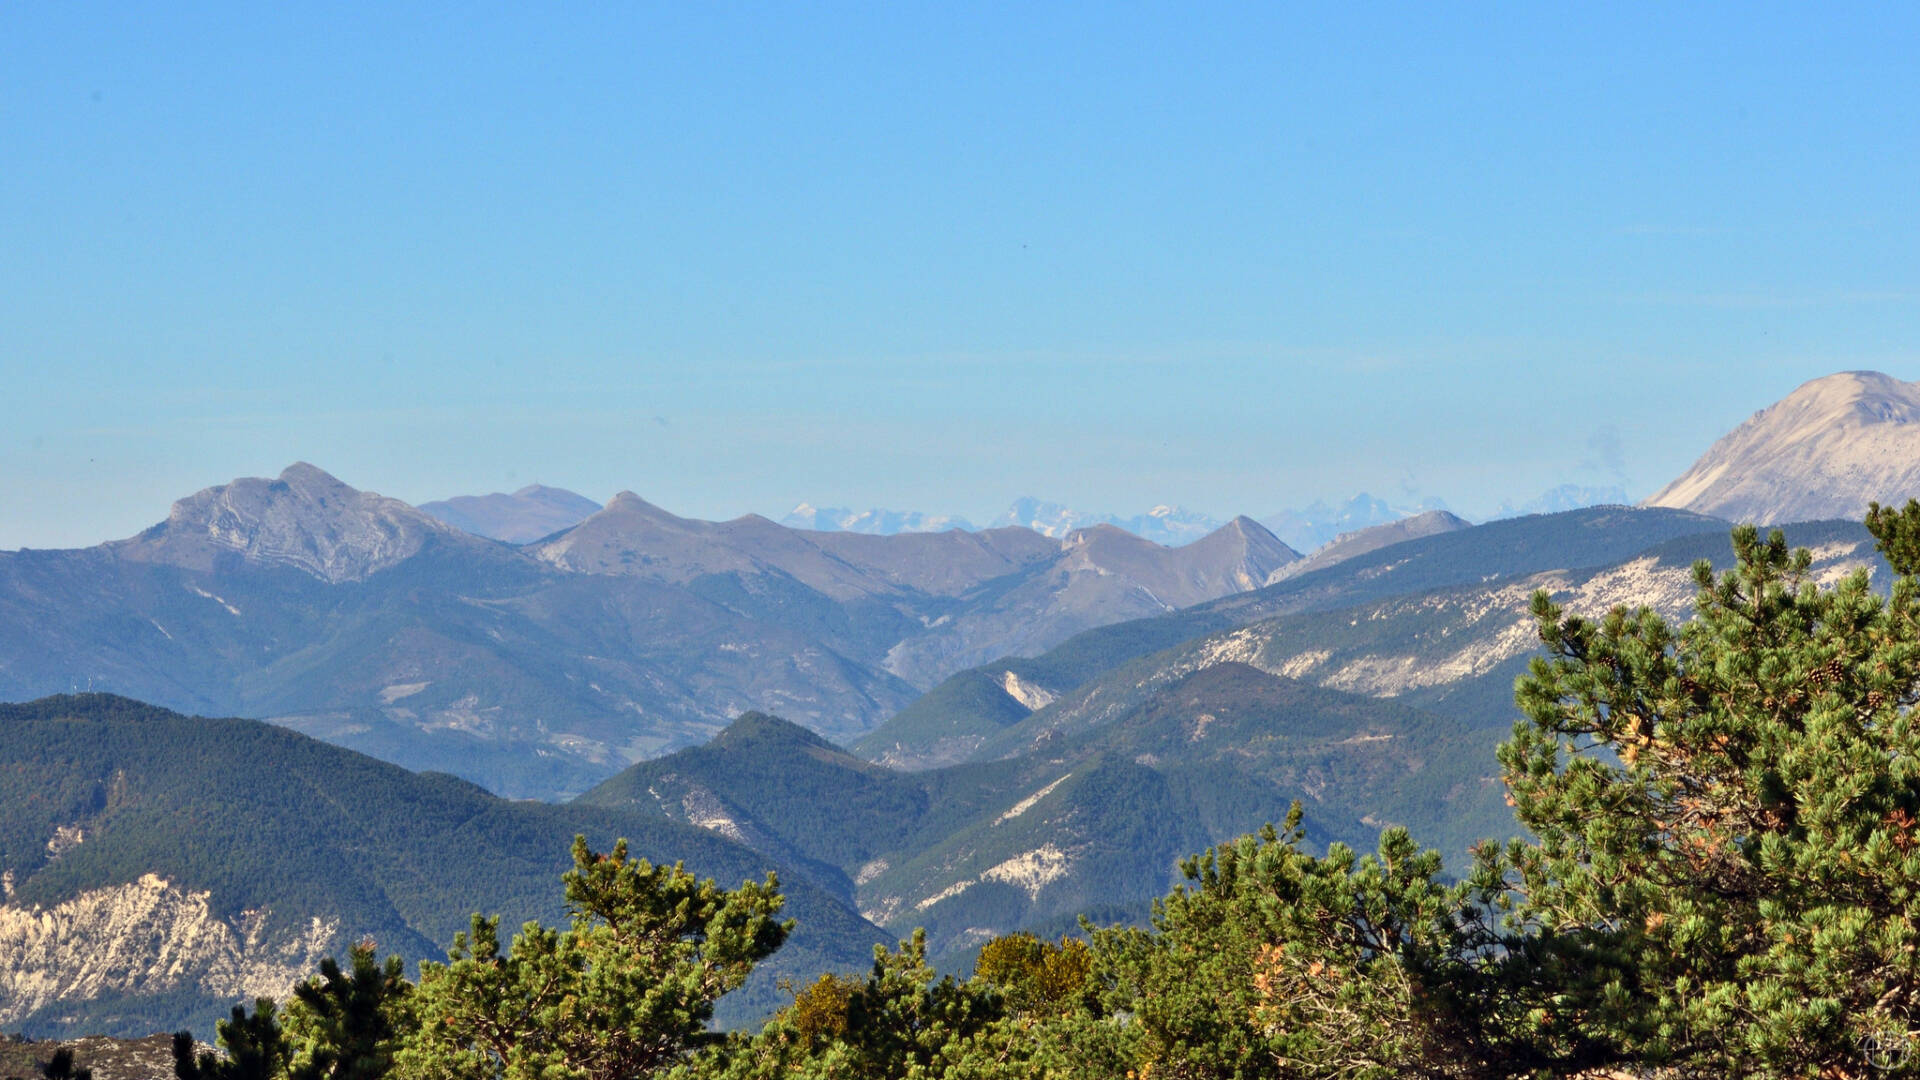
column 1093, row 820
column 159, row 866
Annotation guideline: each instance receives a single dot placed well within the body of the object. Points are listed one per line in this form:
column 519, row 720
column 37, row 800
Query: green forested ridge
column 948, row 722
column 263, row 818
column 808, row 796
column 1202, row 759
column 1719, row 881
column 1094, row 818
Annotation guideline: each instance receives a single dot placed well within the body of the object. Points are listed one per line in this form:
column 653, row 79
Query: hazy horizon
column 932, row 260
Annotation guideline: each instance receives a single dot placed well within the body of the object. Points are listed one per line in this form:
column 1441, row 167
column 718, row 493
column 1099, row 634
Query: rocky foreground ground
column 150, row 1058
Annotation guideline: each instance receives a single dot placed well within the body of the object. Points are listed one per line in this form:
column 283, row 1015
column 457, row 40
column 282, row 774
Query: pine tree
column 347, row 1024
column 903, row 1020
column 1274, row 962
column 1727, row 818
column 256, row 1048
column 61, row 1067
column 626, row 991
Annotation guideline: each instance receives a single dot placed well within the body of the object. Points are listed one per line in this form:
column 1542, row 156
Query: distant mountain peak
column 531, row 513
column 1372, row 538
column 872, row 522
column 1166, row 525
column 301, row 472
column 627, row 502
column 1826, row 450
column 1319, row 523
column 305, row 518
column 754, row 726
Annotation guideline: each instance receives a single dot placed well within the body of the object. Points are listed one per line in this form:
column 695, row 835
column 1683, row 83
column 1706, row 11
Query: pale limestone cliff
column 146, row 937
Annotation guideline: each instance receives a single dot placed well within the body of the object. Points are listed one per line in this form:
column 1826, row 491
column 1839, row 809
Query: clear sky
column 932, row 256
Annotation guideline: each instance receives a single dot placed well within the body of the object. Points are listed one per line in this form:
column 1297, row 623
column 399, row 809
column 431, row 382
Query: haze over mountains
column 538, row 669
column 873, row 522
column 1305, row 529
column 970, row 731
column 533, row 512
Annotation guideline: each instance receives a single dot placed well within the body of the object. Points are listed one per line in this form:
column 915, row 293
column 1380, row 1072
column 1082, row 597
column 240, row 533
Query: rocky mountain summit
column 1824, row 451
column 304, row 518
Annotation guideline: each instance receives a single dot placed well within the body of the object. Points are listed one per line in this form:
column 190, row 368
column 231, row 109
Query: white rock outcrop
column 146, row 937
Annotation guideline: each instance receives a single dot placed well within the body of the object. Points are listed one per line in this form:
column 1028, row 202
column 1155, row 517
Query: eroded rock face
column 304, row 518
column 146, row 937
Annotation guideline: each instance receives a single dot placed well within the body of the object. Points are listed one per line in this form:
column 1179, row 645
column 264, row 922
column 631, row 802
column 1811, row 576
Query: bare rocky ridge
column 1824, row 451
column 1042, row 590
column 1097, row 576
column 305, row 519
column 1422, row 646
column 634, row 538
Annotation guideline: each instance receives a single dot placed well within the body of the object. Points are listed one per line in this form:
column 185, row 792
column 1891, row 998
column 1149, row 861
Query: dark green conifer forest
column 1719, row 880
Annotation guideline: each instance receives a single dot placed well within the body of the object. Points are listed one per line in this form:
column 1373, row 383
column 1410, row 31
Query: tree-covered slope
column 781, row 789
column 1093, row 819
column 1102, row 816
column 157, row 865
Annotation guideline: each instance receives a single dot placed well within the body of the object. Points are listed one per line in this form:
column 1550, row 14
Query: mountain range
column 967, row 731
column 540, row 668
column 537, row 512
column 1026, row 791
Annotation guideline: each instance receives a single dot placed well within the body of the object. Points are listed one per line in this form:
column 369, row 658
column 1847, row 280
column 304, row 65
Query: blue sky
column 933, row 256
